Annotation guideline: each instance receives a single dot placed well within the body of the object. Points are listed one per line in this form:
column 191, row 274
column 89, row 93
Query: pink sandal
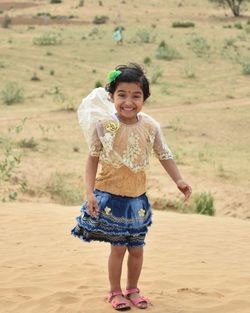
column 137, row 301
column 122, row 305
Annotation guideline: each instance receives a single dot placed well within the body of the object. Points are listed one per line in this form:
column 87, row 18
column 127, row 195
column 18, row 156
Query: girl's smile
column 128, row 100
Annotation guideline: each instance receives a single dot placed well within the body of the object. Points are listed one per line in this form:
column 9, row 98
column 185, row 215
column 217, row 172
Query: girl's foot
column 118, row 301
column 134, row 296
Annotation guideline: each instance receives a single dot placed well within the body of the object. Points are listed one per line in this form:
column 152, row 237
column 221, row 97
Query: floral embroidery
column 112, row 127
column 133, row 151
column 107, row 210
column 130, row 146
column 141, row 212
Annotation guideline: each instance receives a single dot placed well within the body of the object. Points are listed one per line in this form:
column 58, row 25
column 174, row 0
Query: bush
column 98, row 84
column 6, row 21
column 12, row 93
column 189, row 70
column 165, row 52
column 246, row 67
column 55, row 1
column 238, row 25
column 147, row 60
column 156, row 74
column 204, row 204
column 28, row 143
column 62, row 190
column 199, row 46
column 183, row 24
column 47, row 39
column 100, row 19
column 145, row 36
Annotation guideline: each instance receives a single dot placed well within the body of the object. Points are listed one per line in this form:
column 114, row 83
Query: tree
column 234, row 5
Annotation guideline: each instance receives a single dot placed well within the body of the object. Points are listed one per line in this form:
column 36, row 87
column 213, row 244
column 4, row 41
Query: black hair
column 132, row 73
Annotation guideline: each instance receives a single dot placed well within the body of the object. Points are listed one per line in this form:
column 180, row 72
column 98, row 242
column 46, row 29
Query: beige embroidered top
column 124, row 152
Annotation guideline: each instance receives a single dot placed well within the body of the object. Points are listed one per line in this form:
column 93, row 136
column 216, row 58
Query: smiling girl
column 117, row 209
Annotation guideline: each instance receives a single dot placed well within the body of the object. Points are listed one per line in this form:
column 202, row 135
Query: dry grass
column 206, row 118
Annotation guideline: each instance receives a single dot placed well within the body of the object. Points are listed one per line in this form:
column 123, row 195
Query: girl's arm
column 173, row 171
column 90, row 175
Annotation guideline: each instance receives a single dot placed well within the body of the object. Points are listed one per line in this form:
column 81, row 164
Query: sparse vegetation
column 203, row 203
column 12, row 93
column 6, row 21
column 189, row 70
column 147, row 61
column 145, row 36
column 63, row 191
column 100, row 19
column 234, row 5
column 28, row 143
column 208, row 93
column 156, row 74
column 55, row 1
column 182, row 24
column 47, row 39
column 246, row 67
column 98, row 83
column 199, row 46
column 166, row 52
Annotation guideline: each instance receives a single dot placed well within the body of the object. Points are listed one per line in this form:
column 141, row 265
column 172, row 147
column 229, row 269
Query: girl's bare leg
column 135, row 261
column 115, row 269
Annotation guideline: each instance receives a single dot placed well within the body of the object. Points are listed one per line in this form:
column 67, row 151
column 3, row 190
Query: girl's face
column 128, row 99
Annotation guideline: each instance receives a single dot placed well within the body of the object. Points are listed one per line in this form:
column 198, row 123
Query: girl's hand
column 184, row 188
column 92, row 205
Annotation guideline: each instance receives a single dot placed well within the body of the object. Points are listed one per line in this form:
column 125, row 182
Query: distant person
column 118, row 35
column 117, row 210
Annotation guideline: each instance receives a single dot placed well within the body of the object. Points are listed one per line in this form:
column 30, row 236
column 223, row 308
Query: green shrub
column 100, row 19
column 81, row 3
column 28, row 143
column 238, row 25
column 156, row 74
column 55, row 1
column 199, row 46
column 35, row 77
column 62, row 190
column 189, row 70
column 6, row 21
column 145, row 36
column 98, row 84
column 147, row 60
column 245, row 67
column 183, row 24
column 204, row 203
column 166, row 52
column 9, row 163
column 201, row 203
column 247, row 29
column 12, row 93
column 43, row 14
column 47, row 39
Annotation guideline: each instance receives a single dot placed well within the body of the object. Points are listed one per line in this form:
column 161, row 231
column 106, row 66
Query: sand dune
column 192, row 263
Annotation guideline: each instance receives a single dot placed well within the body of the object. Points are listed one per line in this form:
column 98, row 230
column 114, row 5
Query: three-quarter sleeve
column 160, row 146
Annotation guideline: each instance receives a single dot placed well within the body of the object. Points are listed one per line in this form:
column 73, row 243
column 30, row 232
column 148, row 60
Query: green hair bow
column 113, row 75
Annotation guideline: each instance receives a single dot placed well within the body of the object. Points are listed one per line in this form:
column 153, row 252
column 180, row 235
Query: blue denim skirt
column 123, row 221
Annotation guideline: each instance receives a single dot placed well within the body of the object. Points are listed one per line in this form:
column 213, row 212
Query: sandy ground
column 192, row 263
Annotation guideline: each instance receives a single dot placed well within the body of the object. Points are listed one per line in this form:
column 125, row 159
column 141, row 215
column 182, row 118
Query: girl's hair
column 132, row 73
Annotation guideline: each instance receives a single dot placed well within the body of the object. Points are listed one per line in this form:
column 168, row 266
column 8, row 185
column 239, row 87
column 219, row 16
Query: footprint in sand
column 202, row 293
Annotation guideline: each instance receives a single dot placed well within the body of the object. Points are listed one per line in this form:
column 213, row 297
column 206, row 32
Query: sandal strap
column 112, row 294
column 139, row 300
column 132, row 290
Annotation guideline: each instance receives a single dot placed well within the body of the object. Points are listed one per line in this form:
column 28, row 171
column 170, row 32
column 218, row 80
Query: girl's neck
column 127, row 121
